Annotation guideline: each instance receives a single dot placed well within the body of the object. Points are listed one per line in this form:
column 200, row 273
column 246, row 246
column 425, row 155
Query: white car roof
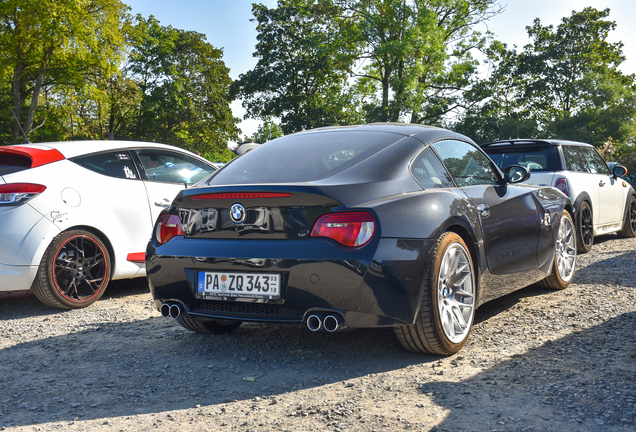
column 70, row 149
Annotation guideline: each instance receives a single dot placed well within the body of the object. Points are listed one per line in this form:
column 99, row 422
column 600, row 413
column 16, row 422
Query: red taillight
column 349, row 229
column 241, row 195
column 13, row 194
column 168, row 226
column 562, row 185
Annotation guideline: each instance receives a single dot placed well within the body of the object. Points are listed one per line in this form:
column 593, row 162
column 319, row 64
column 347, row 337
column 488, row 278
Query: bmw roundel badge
column 237, row 213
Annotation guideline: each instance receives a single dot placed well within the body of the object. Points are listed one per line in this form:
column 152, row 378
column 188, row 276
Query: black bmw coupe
column 380, row 225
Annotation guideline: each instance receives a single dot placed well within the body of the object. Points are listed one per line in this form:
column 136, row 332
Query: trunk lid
column 264, row 212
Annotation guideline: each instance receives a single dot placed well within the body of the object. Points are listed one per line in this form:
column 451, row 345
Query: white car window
column 172, row 167
column 595, row 161
column 117, row 164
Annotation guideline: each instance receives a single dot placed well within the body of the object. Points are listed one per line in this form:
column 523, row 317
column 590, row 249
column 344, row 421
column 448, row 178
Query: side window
column 429, row 171
column 466, row 163
column 595, row 161
column 172, row 167
column 575, row 159
column 116, row 164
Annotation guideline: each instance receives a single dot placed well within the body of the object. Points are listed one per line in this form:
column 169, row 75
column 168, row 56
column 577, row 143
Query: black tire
column 564, row 264
column 446, row 314
column 629, row 225
column 209, row 327
column 74, row 272
column 585, row 229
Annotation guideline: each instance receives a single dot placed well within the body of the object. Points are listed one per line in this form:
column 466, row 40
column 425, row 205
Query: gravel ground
column 537, row 360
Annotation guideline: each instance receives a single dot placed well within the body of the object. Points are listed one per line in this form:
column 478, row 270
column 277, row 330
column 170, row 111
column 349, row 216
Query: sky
column 227, row 25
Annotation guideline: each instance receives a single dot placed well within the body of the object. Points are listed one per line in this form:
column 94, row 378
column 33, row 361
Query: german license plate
column 238, row 285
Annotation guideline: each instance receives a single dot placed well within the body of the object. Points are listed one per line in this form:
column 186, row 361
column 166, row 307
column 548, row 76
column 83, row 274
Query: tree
column 301, row 76
column 47, row 43
column 418, row 53
column 266, row 131
column 185, row 88
column 565, row 84
column 324, row 62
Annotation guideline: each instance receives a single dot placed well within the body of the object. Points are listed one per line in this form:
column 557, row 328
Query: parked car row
column 384, row 225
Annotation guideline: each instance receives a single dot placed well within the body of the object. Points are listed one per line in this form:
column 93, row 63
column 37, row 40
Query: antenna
column 20, row 126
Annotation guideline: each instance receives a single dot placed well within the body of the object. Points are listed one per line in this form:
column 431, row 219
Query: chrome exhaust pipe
column 175, row 310
column 165, row 310
column 314, row 322
column 332, row 323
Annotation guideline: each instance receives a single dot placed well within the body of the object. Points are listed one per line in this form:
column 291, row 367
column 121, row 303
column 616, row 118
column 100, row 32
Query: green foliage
column 267, row 131
column 48, row 43
column 184, row 86
column 301, row 73
column 566, row 84
column 329, row 62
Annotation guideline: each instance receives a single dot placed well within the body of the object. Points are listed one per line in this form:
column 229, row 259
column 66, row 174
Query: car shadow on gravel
column 111, row 367
column 584, row 381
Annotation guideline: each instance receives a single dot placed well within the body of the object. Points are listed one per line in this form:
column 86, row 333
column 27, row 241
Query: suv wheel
column 629, row 225
column 585, row 228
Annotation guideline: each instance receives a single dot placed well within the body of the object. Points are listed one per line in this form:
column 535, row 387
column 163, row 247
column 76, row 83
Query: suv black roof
column 524, row 141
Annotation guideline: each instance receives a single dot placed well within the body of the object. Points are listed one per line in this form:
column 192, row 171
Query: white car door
column 169, row 172
column 612, row 202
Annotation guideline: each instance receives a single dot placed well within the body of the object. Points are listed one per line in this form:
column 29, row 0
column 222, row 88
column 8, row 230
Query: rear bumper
column 16, row 278
column 377, row 285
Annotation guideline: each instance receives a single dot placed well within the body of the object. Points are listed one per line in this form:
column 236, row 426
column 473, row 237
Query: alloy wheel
column 456, row 293
column 80, row 268
column 566, row 249
column 587, row 229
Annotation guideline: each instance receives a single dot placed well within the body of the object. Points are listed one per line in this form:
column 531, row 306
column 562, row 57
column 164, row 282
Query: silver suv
column 603, row 202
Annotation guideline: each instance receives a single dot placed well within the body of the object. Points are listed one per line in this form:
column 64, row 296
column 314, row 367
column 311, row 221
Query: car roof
column 424, row 133
column 526, row 141
column 70, row 149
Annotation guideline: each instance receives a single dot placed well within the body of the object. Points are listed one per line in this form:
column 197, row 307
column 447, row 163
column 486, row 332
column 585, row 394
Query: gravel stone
column 536, row 360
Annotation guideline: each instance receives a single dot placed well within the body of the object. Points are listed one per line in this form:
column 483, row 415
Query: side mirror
column 516, row 174
column 619, row 171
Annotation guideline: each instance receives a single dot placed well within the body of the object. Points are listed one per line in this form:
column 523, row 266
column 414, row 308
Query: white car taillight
column 14, row 194
column 562, row 185
column 168, row 226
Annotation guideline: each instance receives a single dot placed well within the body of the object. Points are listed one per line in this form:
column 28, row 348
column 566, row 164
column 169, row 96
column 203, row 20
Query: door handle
column 165, row 203
column 483, row 210
column 601, row 183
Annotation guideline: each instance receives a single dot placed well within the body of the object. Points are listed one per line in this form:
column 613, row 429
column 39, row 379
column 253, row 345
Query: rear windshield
column 303, row 158
column 535, row 158
column 10, row 164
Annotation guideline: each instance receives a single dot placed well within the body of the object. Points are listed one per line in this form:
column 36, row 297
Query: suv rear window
column 534, row 157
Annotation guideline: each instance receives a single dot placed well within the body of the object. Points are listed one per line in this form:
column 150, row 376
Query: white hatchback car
column 75, row 215
column 604, row 203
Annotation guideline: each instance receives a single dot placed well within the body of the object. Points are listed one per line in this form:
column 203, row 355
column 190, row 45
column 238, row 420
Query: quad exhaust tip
column 328, row 321
column 314, row 322
column 171, row 310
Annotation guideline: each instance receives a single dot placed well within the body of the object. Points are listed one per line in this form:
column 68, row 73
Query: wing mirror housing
column 619, row 171
column 516, row 174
